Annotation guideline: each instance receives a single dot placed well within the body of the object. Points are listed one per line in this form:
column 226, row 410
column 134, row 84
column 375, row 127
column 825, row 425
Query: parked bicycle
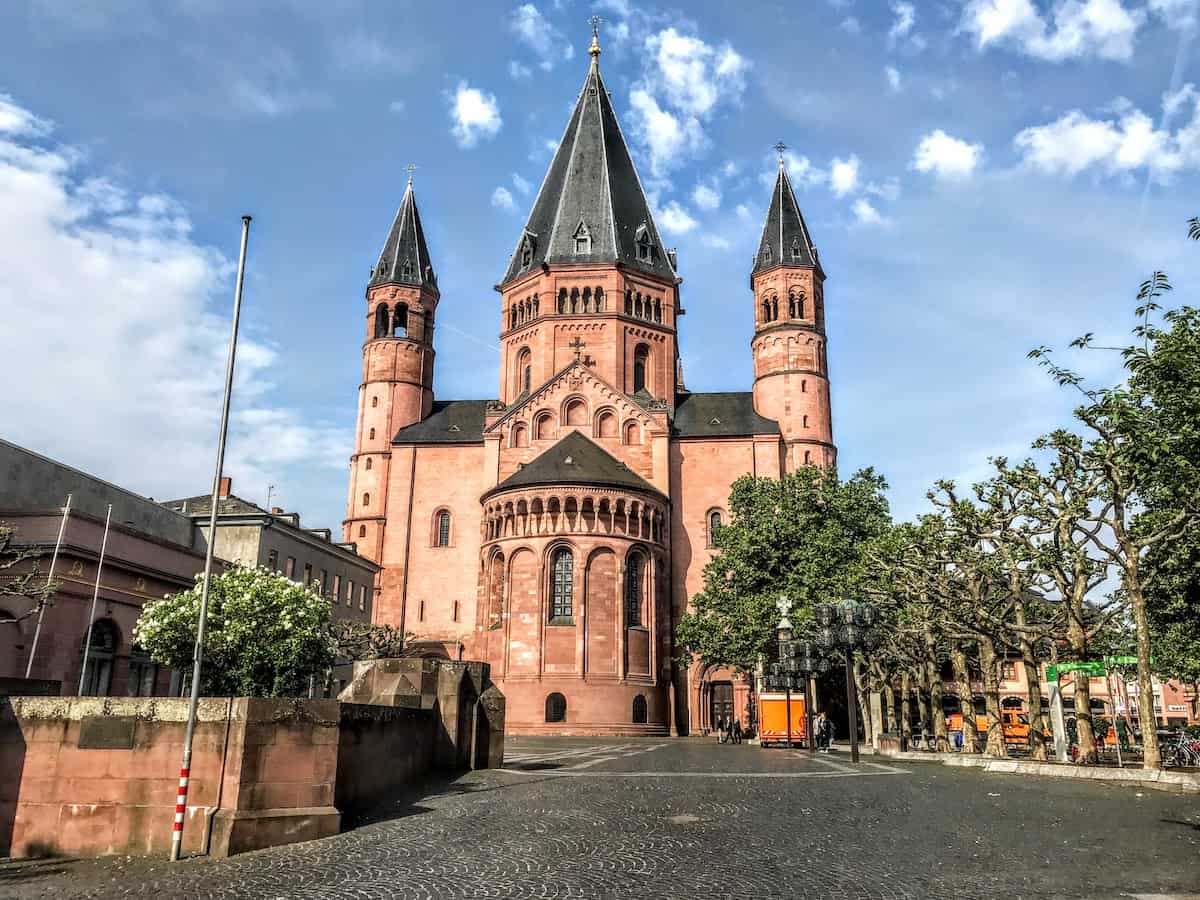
column 1181, row 750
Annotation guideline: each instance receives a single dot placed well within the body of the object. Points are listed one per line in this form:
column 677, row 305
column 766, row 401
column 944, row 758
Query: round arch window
column 639, row 710
column 556, row 708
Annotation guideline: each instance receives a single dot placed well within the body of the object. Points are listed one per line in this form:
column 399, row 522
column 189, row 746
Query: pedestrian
column 720, row 729
column 824, row 730
column 737, row 731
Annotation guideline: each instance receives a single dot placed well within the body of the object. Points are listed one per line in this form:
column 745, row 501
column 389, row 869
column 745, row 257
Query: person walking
column 737, row 731
column 720, row 729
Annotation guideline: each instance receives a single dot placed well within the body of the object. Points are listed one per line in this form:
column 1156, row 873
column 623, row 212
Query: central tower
column 590, row 277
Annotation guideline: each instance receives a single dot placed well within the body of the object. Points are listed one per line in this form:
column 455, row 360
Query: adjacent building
column 558, row 529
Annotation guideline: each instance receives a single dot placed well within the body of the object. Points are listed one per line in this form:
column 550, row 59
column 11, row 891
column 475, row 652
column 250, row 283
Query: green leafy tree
column 266, row 634
column 805, row 536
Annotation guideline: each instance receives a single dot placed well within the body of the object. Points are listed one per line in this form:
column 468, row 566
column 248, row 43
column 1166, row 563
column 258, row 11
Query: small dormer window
column 767, row 255
column 642, row 240
column 795, row 249
column 406, row 270
column 583, row 240
column 527, row 248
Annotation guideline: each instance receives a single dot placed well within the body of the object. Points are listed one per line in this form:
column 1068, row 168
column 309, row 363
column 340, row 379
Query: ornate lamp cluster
column 799, row 659
column 846, row 627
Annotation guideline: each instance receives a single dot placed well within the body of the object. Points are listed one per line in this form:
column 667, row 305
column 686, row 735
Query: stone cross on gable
column 784, row 605
column 577, row 345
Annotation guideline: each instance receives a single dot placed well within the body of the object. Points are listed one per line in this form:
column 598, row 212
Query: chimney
column 277, row 510
column 226, row 486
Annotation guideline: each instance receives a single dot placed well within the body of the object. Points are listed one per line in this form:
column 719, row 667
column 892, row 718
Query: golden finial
column 594, row 50
column 780, row 148
column 411, row 168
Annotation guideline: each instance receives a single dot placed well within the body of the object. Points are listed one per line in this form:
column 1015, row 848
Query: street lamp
column 847, row 626
column 798, row 661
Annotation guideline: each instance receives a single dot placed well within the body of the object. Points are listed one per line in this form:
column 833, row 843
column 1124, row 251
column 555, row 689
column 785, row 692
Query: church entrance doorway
column 722, row 702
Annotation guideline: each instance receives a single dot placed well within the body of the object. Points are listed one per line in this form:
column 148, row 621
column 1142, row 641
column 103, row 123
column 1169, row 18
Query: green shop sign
column 1093, row 668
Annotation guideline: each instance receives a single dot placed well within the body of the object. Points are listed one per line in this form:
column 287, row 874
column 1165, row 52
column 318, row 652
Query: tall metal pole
column 787, row 694
column 87, row 644
column 809, row 737
column 37, row 632
column 851, row 704
column 198, row 654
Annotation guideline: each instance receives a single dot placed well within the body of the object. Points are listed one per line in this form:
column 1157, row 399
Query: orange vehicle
column 772, row 719
column 1014, row 722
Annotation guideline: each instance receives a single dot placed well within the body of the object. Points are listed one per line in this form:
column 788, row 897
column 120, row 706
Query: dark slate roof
column 591, row 182
column 785, row 237
column 450, row 422
column 576, row 460
column 721, row 414
column 404, row 258
column 226, row 506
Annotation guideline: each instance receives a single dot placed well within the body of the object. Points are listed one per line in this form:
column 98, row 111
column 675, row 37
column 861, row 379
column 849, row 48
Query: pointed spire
column 785, row 237
column 591, row 207
column 405, row 255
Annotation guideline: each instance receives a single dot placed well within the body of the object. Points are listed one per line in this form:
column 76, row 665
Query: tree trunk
column 1037, row 724
column 962, row 675
column 1077, row 639
column 1088, row 753
column 940, row 733
column 991, row 698
column 864, row 702
column 922, row 711
column 1133, row 586
column 893, row 708
column 905, row 710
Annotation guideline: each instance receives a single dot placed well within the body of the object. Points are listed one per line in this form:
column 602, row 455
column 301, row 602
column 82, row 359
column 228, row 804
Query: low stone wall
column 89, row 776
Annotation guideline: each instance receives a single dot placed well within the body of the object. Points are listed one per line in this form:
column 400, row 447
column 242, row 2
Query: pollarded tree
column 804, row 535
column 266, row 635
column 21, row 578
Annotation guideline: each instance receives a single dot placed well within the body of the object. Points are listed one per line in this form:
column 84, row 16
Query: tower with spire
column 791, row 374
column 559, row 531
column 397, row 375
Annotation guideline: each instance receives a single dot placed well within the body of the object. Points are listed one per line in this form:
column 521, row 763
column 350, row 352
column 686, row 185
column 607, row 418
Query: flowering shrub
column 266, row 634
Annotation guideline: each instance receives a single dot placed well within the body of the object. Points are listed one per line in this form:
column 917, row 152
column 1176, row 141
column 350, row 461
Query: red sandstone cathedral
column 559, row 531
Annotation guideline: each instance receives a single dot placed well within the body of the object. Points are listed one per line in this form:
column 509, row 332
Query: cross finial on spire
column 594, row 50
column 411, row 168
column 577, row 345
column 779, row 148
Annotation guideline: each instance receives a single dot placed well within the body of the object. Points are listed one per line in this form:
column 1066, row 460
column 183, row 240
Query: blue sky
column 980, row 176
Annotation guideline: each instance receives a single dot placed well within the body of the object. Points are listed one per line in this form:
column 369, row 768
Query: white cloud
column 866, row 214
column 140, row 370
column 716, row 242
column 1071, row 29
column 843, row 175
column 521, row 184
column 706, row 196
column 1128, row 142
column 946, row 156
column 502, row 198
column 729, row 169
column 548, row 43
column 850, row 25
column 684, row 81
column 893, row 77
column 518, row 71
column 396, row 106
column 474, row 114
column 670, row 139
column 743, row 211
column 675, row 219
column 1178, row 14
column 905, row 18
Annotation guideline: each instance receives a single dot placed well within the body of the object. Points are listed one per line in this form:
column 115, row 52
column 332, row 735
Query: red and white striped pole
column 198, row 654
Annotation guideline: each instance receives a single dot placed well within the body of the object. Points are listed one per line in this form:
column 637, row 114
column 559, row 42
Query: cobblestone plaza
column 670, row 818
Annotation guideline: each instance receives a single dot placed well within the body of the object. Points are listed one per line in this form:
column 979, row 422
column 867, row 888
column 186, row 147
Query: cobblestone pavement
column 644, row 818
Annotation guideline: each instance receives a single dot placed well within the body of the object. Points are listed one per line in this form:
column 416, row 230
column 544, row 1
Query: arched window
column 800, row 305
column 574, row 300
column 576, row 413
column 562, row 585
column 629, row 303
column 428, row 322
column 639, row 710
column 806, row 421
column 804, row 385
column 807, row 457
column 658, row 309
column 583, row 239
column 400, row 321
column 766, row 310
column 371, row 434
column 512, row 317
column 543, row 427
column 366, row 499
column 641, row 358
column 525, row 369
column 443, row 529
column 774, row 309
column 637, row 305
column 599, row 298
column 367, row 464
column 374, row 402
column 362, row 531
column 587, row 299
column 520, row 435
column 633, row 592
column 791, row 305
column 632, row 434
column 101, row 651
column 556, row 708
column 714, row 523
column 381, row 320
column 562, row 300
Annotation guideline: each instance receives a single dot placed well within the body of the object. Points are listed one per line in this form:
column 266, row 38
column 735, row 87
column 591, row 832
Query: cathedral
column 559, row 530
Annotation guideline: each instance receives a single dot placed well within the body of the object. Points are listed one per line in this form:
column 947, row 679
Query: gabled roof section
column 785, row 237
column 721, row 414
column 576, row 460
column 449, row 422
column 405, row 255
column 591, row 180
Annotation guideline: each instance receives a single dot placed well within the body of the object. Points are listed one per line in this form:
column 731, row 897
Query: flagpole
column 198, row 654
column 37, row 632
column 87, row 644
